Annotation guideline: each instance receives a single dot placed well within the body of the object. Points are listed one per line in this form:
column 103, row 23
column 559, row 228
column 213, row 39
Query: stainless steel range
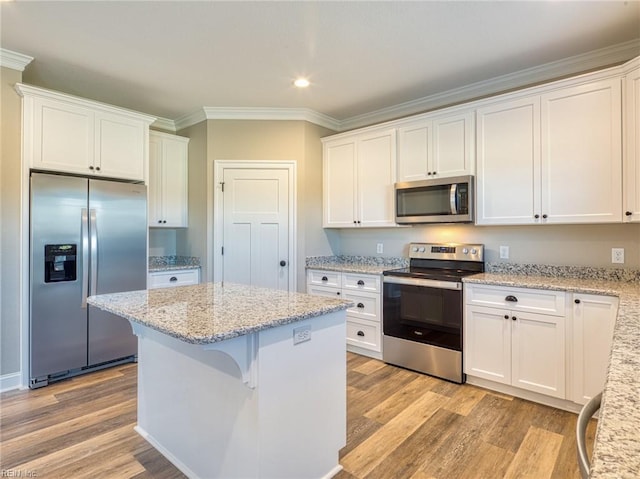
column 422, row 308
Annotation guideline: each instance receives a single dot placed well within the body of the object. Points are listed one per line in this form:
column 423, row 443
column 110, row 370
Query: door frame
column 217, row 225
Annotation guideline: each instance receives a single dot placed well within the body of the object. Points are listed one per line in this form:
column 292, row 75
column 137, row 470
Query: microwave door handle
column 453, row 199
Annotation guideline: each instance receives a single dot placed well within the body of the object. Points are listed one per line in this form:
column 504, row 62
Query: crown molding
column 164, row 124
column 14, row 60
column 546, row 72
column 243, row 113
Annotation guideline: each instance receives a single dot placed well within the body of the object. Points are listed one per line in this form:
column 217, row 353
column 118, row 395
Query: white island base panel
column 260, row 408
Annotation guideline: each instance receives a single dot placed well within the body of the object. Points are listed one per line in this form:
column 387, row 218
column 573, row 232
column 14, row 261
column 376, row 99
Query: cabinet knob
column 628, row 213
column 536, row 216
column 173, row 279
column 514, row 318
column 355, row 222
column 511, row 299
column 577, row 301
column 361, row 333
column 360, row 305
column 544, row 217
column 91, row 167
column 506, row 316
column 164, row 221
column 160, row 221
column 360, row 282
column 97, row 168
column 283, row 263
column 338, row 293
column 428, row 173
column 434, row 172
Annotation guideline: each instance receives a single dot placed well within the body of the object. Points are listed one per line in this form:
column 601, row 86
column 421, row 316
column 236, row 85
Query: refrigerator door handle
column 84, row 231
column 94, row 251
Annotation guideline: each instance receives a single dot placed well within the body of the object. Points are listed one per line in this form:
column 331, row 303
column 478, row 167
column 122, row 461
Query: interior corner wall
column 281, row 140
column 192, row 241
column 10, row 194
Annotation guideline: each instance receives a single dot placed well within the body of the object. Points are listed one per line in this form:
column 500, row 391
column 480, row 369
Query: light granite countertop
column 617, row 447
column 172, row 263
column 355, row 264
column 211, row 312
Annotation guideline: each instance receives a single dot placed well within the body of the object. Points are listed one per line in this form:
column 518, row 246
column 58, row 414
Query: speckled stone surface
column 172, row 263
column 617, row 447
column 355, row 264
column 211, row 312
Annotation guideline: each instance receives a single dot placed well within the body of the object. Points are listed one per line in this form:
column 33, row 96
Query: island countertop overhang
column 211, row 312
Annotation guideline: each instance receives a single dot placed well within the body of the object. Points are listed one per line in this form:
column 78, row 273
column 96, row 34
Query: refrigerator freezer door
column 118, row 224
column 58, row 321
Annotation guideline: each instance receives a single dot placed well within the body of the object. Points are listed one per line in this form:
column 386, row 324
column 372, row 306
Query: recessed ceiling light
column 301, row 83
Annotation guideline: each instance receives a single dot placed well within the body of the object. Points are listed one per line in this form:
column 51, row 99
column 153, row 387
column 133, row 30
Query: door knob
column 283, row 263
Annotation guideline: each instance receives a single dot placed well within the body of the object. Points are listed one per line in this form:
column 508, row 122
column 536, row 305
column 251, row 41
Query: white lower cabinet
column 364, row 327
column 510, row 343
column 594, row 317
column 170, row 279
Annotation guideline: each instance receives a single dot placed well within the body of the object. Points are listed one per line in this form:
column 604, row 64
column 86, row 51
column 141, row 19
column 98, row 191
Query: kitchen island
column 239, row 381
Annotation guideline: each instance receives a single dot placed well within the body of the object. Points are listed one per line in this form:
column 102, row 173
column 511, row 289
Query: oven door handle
column 428, row 283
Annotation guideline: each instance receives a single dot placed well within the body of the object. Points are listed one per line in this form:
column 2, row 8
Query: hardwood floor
column 400, row 424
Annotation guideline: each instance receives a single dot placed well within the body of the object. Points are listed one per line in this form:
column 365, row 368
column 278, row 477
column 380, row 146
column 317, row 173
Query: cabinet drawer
column 323, row 291
column 367, row 305
column 364, row 334
column 324, row 278
column 520, row 299
column 168, row 279
column 361, row 282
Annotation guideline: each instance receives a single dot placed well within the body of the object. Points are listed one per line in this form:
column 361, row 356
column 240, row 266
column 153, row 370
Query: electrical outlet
column 302, row 334
column 379, row 248
column 504, row 252
column 617, row 255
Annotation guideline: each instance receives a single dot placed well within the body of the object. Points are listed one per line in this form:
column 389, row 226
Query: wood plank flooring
column 400, row 424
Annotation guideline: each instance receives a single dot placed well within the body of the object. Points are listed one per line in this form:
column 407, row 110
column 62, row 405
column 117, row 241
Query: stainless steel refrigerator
column 88, row 237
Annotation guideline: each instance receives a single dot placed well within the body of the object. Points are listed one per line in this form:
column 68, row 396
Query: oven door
column 425, row 311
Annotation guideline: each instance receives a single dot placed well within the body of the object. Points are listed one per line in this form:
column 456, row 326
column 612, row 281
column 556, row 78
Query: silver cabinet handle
column 93, row 238
column 84, row 232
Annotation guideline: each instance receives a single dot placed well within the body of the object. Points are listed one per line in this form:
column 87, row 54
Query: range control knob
column 465, row 250
column 474, row 251
column 415, row 249
column 421, row 249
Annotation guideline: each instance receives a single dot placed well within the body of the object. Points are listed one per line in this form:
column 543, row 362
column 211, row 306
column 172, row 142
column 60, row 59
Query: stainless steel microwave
column 439, row 200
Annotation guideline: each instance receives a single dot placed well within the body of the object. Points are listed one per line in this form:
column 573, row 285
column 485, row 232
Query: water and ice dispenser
column 60, row 262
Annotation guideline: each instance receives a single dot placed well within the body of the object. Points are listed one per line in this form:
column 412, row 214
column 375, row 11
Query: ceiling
column 171, row 58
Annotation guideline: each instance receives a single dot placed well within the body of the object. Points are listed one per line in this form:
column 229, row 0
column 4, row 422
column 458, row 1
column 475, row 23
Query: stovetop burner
column 443, row 262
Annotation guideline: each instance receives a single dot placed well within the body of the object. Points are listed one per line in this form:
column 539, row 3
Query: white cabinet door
column 631, row 142
column 376, row 178
column 63, row 136
column 487, row 344
column 508, row 169
column 594, row 317
column 168, row 181
column 339, row 184
column 120, row 146
column 581, row 153
column 414, row 151
column 453, row 148
column 436, row 146
column 537, row 353
column 359, row 173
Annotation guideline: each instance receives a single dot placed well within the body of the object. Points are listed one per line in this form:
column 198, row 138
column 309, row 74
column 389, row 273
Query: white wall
column 578, row 245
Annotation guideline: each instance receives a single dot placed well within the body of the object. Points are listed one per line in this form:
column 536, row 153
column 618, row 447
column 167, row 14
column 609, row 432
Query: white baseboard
column 10, row 381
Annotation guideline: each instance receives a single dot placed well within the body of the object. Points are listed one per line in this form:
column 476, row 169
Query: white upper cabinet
column 168, row 181
column 631, row 141
column 554, row 157
column 73, row 135
column 436, row 146
column 359, row 173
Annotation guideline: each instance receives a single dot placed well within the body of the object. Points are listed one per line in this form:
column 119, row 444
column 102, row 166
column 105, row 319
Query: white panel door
column 508, row 157
column 414, row 151
column 453, row 153
column 339, row 184
column 256, row 227
column 120, row 146
column 487, row 343
column 581, row 153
